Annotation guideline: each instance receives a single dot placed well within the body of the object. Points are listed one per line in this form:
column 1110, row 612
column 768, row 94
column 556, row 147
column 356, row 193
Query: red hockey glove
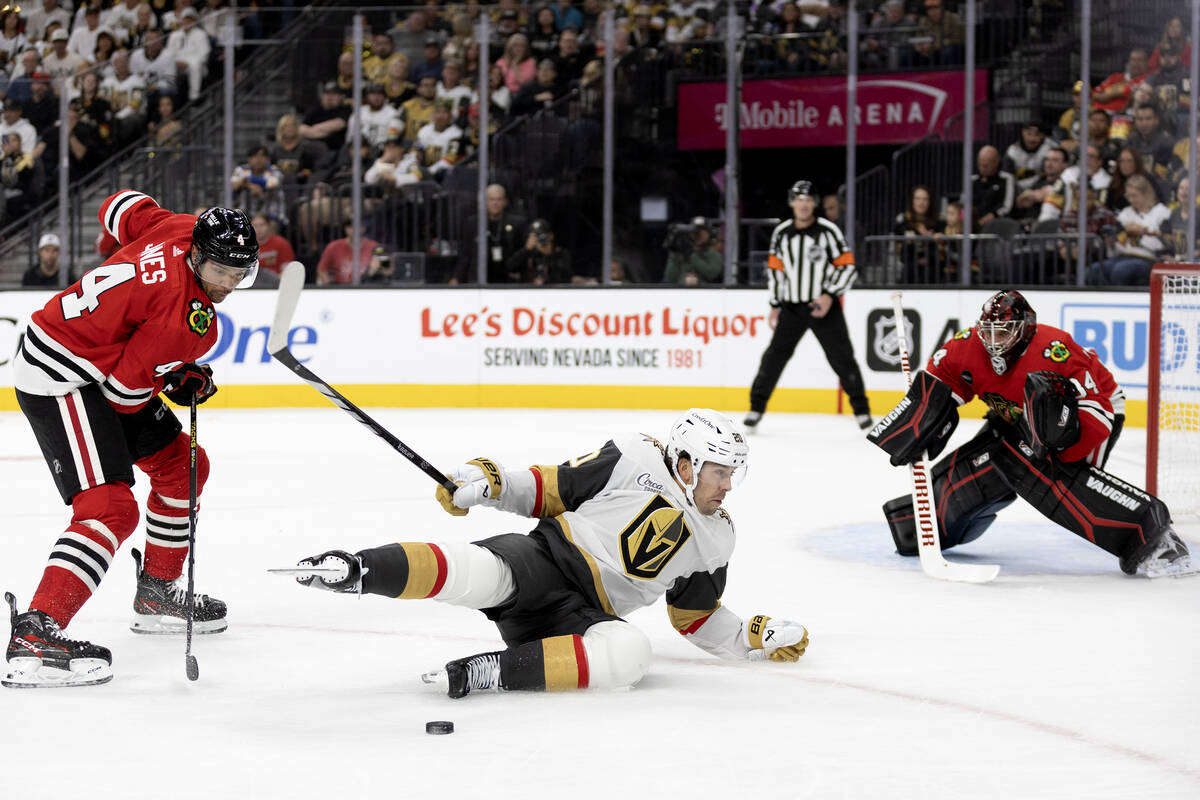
column 190, row 379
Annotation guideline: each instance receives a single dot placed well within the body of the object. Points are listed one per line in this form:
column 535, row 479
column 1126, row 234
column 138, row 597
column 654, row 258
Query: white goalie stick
column 929, row 545
column 290, row 285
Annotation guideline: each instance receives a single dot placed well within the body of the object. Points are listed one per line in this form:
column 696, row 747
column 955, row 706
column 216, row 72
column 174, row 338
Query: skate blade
column 157, row 625
column 30, row 673
column 306, row 572
column 1173, row 570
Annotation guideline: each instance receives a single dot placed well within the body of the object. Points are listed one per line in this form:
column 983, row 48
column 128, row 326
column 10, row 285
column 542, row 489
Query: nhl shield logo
column 200, row 317
column 883, row 345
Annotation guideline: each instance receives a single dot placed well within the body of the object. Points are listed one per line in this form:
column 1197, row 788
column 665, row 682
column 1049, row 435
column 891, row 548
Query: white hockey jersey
column 624, row 532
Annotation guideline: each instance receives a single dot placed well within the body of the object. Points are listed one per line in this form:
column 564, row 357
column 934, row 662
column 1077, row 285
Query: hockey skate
column 41, row 656
column 334, row 571
column 751, row 421
column 459, row 678
column 160, row 606
column 1168, row 558
column 864, row 421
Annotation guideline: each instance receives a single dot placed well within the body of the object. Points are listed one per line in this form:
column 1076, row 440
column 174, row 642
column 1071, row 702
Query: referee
column 810, row 268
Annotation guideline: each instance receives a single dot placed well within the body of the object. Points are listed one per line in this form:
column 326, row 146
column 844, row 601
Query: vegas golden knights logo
column 653, row 538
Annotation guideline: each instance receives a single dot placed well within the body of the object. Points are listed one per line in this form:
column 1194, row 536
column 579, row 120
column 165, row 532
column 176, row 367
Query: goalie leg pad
column 1115, row 516
column 921, row 423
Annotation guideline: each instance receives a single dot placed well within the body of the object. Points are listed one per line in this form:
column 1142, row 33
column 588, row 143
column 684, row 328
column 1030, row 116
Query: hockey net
column 1173, row 396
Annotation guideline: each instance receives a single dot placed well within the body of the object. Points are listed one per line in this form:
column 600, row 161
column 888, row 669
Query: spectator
column 461, row 36
column 1023, row 158
column 517, row 65
column 694, row 255
column 432, row 63
column 172, row 20
column 95, row 110
column 499, row 97
column 394, row 167
column 274, row 251
column 337, row 261
column 944, row 32
column 126, row 94
column 190, row 47
column 345, row 75
column 296, row 158
column 383, row 54
column 571, row 57
column 788, row 54
column 542, row 92
column 46, row 271
column 409, row 36
column 1114, row 93
column 146, row 22
column 645, row 34
column 1139, row 244
column 167, row 129
column 256, row 185
column 468, row 144
column 1175, row 36
column 829, row 48
column 504, row 232
column 327, row 122
column 13, row 121
column 1151, row 142
column 886, row 42
column 1172, row 90
column 1101, row 222
column 831, row 209
column 1049, row 194
column 1175, row 230
column 378, row 120
column 106, row 45
column 20, row 83
column 82, row 41
column 1180, row 157
column 419, row 109
column 1129, row 164
column 22, row 178
column 1066, row 132
column 540, row 261
column 470, row 61
column 42, row 14
column 379, row 268
column 590, row 30
column 398, row 88
column 508, row 24
column 123, row 18
column 329, row 200
column 451, row 88
column 61, row 64
column 920, row 219
column 1098, row 178
column 153, row 62
column 566, row 16
column 41, row 109
column 543, row 34
column 12, row 41
column 438, row 139
column 1099, row 130
column 992, row 189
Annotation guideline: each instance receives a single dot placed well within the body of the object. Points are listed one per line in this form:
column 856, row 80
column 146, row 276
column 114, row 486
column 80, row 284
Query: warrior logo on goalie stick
column 653, row 538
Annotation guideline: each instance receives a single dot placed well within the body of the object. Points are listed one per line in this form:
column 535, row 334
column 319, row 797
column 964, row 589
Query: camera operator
column 695, row 256
column 540, row 261
column 379, row 268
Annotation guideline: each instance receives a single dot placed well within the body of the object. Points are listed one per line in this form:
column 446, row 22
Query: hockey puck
column 439, row 727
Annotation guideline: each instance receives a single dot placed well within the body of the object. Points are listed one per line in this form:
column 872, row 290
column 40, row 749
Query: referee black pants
column 830, row 330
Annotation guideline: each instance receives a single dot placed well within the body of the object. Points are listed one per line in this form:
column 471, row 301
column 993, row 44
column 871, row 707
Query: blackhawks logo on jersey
column 1056, row 352
column 965, row 333
column 652, row 538
column 200, row 317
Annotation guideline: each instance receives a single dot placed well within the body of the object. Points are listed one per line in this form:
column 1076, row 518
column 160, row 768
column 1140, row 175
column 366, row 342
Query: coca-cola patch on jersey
column 200, row 317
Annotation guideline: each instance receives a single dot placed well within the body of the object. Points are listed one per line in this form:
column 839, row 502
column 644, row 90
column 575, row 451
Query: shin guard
column 167, row 506
column 556, row 663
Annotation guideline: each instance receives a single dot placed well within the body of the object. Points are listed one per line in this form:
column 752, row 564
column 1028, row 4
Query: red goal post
column 1173, row 387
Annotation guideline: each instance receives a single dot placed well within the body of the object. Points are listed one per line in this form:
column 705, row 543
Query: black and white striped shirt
column 805, row 262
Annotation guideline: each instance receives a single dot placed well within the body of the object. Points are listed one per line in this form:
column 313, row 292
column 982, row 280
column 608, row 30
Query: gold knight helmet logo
column 653, row 538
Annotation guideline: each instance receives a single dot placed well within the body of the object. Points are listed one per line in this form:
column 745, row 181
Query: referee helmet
column 801, row 188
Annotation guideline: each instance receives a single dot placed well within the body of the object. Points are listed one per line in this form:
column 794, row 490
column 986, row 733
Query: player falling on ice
column 88, row 376
column 1055, row 412
column 618, row 528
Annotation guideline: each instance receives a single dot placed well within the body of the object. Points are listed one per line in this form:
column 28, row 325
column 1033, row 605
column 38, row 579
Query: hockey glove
column 922, row 423
column 480, row 480
column 775, row 639
column 347, row 579
column 1051, row 412
column 190, row 379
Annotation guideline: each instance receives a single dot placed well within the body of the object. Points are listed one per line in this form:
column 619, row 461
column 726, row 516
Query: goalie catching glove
column 480, row 480
column 921, row 423
column 1051, row 412
column 179, row 385
column 775, row 639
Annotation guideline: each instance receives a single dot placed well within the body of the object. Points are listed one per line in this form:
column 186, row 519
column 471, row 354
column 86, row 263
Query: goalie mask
column 1006, row 327
column 703, row 435
column 226, row 248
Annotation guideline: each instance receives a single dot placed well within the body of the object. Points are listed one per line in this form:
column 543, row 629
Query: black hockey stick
column 290, row 286
column 189, row 660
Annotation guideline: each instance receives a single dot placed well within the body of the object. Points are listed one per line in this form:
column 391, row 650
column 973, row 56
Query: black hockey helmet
column 801, row 188
column 226, row 237
column 1006, row 326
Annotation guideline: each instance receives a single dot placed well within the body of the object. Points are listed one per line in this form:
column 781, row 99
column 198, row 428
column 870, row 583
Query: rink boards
column 591, row 347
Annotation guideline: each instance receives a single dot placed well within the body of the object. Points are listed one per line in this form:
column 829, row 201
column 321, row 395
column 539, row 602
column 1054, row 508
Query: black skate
column 334, row 571
column 41, row 656
column 1165, row 556
column 459, row 678
column 751, row 421
column 160, row 606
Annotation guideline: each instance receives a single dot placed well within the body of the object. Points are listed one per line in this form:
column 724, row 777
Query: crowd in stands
column 1135, row 192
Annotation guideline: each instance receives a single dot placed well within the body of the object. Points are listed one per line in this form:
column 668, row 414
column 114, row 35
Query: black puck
column 439, row 727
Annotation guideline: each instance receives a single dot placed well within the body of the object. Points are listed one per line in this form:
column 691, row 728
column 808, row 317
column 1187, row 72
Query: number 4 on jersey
column 92, row 285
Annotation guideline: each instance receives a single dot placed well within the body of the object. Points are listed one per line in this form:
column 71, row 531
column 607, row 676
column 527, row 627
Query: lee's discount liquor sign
column 811, row 112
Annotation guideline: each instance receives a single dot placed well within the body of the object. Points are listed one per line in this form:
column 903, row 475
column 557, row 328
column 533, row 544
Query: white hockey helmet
column 704, row 435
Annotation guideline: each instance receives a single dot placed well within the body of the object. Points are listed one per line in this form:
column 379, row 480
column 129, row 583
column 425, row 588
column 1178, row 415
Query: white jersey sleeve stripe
column 116, row 210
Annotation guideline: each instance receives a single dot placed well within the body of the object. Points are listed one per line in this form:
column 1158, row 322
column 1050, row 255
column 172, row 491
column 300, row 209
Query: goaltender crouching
column 1055, row 411
column 618, row 528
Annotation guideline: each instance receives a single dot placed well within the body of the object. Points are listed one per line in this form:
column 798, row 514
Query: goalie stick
column 929, row 546
column 290, row 286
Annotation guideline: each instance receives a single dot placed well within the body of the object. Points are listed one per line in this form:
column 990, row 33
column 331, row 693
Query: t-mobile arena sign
column 811, row 112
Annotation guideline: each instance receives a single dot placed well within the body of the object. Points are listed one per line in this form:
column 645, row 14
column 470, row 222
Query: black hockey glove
column 190, row 379
column 922, row 422
column 1051, row 412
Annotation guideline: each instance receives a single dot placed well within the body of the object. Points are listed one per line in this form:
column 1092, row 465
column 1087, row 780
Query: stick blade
column 935, row 566
column 193, row 668
column 291, row 283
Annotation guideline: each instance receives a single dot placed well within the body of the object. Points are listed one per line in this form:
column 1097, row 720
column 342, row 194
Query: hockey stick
column 290, row 286
column 189, row 661
column 929, row 546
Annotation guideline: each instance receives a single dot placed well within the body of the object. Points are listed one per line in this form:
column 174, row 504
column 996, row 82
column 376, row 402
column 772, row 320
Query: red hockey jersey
column 964, row 365
column 127, row 322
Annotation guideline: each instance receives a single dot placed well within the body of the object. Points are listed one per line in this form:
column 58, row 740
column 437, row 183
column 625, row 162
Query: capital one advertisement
column 811, row 112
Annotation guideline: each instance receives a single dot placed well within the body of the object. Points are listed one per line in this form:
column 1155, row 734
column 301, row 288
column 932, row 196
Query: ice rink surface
column 1062, row 679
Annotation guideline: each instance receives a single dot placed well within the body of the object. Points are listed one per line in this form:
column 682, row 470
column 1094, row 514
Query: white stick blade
column 291, row 283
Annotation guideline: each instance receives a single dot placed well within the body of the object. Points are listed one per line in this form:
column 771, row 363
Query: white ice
column 1062, row 679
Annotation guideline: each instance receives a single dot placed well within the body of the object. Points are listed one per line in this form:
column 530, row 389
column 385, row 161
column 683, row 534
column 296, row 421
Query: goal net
column 1173, row 397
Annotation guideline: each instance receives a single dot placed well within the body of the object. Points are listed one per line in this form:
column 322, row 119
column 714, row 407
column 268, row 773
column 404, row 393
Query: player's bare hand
column 820, row 307
column 773, row 318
